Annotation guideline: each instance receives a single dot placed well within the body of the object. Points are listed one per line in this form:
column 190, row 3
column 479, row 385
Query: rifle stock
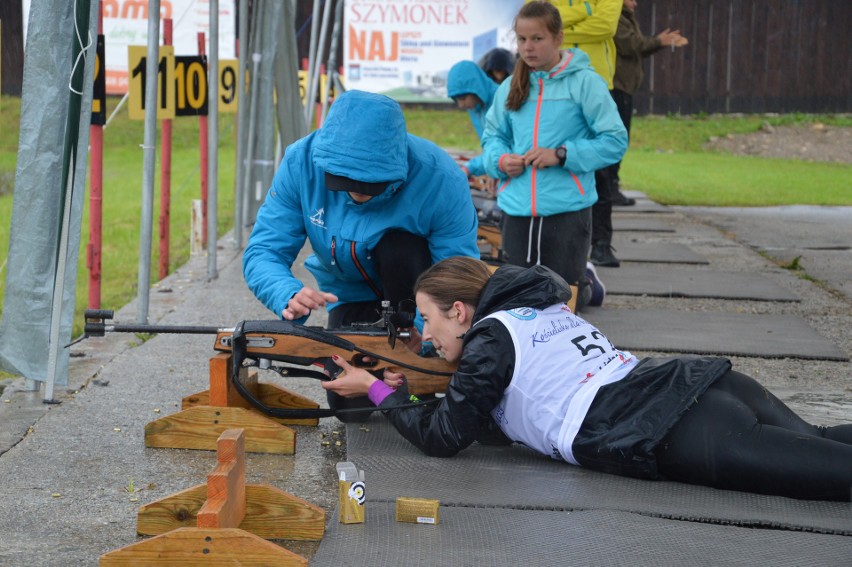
column 361, row 349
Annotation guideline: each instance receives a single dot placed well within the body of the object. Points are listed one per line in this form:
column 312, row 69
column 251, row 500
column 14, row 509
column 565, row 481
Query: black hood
column 513, row 286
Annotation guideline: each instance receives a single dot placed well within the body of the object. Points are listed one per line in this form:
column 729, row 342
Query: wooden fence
column 749, row 56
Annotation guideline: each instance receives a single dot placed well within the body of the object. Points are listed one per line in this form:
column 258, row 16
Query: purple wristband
column 379, row 391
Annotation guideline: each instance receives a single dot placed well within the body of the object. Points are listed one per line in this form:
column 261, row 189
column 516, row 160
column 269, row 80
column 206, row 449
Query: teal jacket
column 466, row 77
column 569, row 106
column 364, row 138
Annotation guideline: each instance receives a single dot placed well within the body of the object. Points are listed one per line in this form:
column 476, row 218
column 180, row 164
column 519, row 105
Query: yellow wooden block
column 417, row 510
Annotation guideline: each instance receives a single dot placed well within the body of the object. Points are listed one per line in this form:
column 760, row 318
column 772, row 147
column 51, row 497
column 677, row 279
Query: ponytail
column 519, row 89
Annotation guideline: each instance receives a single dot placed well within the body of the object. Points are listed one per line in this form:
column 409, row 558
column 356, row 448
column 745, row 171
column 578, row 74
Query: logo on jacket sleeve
column 317, row 218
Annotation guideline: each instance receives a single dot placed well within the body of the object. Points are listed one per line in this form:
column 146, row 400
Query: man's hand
column 306, row 300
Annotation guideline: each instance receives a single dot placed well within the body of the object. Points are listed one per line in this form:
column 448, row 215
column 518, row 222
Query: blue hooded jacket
column 569, row 106
column 363, row 138
column 466, row 77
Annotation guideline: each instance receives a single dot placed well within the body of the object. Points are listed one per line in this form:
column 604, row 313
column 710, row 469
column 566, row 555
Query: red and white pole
column 165, row 174
column 202, row 147
column 96, row 192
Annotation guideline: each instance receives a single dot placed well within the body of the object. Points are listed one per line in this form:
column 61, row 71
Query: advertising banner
column 404, row 48
column 126, row 24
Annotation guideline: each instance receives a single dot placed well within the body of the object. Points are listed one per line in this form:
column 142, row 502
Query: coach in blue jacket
column 378, row 206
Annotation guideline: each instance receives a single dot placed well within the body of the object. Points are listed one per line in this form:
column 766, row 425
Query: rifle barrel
column 184, row 329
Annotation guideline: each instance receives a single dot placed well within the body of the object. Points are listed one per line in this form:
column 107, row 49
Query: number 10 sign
column 181, row 84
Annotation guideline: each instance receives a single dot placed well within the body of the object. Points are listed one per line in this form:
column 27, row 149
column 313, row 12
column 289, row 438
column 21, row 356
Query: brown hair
column 459, row 278
column 519, row 89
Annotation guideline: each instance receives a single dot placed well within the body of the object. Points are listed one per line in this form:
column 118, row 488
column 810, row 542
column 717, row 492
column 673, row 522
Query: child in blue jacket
column 550, row 127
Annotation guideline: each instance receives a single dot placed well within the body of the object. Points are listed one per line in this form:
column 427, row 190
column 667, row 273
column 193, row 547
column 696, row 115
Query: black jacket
column 484, row 371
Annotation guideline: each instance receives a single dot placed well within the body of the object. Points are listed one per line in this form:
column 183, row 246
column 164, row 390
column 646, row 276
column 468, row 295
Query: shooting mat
column 764, row 336
column 669, row 281
column 508, row 505
column 640, row 224
column 628, row 250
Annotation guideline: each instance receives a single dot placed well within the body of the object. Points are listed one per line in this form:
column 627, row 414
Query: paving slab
column 671, row 281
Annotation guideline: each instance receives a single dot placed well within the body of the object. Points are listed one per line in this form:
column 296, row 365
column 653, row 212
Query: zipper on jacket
column 364, row 272
column 334, row 256
column 535, row 143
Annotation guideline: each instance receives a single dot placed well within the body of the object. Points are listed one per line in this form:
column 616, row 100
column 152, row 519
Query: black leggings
column 738, row 436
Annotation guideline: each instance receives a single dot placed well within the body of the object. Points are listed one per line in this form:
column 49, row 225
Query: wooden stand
column 205, row 415
column 231, row 523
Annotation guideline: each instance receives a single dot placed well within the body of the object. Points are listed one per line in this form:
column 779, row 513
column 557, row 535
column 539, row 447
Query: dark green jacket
column 631, row 46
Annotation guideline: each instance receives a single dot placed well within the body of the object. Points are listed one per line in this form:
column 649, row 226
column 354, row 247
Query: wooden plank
column 226, row 485
column 272, row 396
column 199, row 427
column 222, row 391
column 271, row 513
column 190, row 547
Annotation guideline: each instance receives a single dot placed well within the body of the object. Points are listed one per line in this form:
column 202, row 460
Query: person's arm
column 453, row 217
column 609, row 141
column 484, row 372
column 630, row 41
column 497, row 140
column 275, row 242
column 600, row 25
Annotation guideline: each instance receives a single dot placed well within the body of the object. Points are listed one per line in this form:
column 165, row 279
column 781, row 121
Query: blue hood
column 465, row 77
column 363, row 138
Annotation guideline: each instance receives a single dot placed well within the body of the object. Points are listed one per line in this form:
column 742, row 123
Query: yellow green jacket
column 591, row 26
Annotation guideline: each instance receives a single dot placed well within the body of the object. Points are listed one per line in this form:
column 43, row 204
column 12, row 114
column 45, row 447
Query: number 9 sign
column 228, row 91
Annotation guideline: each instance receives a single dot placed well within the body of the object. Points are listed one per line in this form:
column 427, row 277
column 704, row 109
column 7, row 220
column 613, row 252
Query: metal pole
column 248, row 163
column 149, row 147
column 315, row 78
column 331, row 71
column 239, row 189
column 312, row 53
column 81, row 16
column 213, row 142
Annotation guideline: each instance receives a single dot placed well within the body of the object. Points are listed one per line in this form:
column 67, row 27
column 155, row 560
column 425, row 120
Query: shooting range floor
column 73, row 475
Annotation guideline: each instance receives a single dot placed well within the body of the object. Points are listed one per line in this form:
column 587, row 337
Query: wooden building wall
column 749, row 56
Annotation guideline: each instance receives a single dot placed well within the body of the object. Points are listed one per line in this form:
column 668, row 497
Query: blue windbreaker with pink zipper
column 569, row 106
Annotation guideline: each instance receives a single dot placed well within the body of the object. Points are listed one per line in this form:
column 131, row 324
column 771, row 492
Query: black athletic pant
column 738, row 436
column 400, row 257
column 624, row 103
column 560, row 242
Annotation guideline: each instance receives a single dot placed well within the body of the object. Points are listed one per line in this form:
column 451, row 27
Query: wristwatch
column 561, row 154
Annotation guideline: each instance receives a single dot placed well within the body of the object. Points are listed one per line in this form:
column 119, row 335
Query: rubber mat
column 508, row 505
column 664, row 252
column 489, row 536
column 640, row 224
column 669, row 281
column 763, row 336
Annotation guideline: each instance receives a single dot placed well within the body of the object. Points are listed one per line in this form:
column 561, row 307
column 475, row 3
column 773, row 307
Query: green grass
column 666, row 161
column 121, row 201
